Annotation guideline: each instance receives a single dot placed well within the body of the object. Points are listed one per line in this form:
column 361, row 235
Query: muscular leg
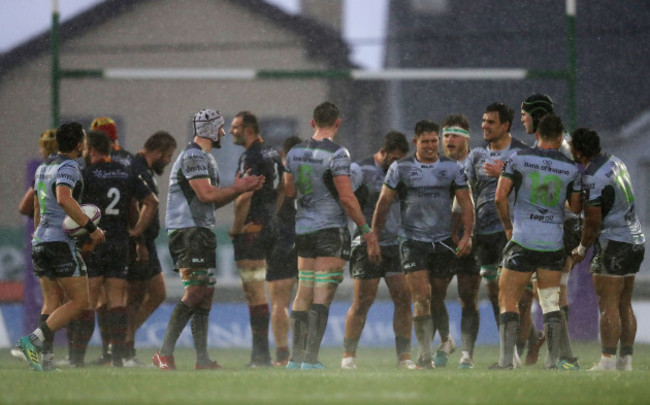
column 468, row 287
column 253, row 273
column 365, row 291
column 420, row 289
column 300, row 307
column 328, row 273
column 402, row 317
column 609, row 290
column 511, row 287
column 280, row 294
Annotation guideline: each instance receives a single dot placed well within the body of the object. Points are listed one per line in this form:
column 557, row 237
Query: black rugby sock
column 553, row 331
column 508, row 326
column 317, row 318
column 199, row 324
column 423, row 326
column 298, row 335
column 181, row 314
column 469, row 325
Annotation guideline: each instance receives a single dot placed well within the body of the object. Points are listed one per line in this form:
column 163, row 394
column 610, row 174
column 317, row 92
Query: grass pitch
column 376, row 381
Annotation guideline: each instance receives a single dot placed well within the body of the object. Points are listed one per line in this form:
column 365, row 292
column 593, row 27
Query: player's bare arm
column 352, row 208
column 289, row 187
column 386, row 197
column 464, row 198
column 145, row 216
column 590, row 232
column 207, row 193
column 242, row 206
column 504, row 187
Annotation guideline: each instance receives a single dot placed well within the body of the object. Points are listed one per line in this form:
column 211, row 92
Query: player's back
column 543, row 179
column 608, row 184
column 262, row 160
column 111, row 186
column 313, row 165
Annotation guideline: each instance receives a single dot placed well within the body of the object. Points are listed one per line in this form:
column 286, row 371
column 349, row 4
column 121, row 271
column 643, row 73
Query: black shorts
column 193, row 248
column 572, row 234
column 254, row 245
column 467, row 264
column 489, row 248
column 109, row 260
column 283, row 260
column 363, row 269
column 436, row 257
column 518, row 258
column 142, row 271
column 58, row 260
column 330, row 242
column 615, row 258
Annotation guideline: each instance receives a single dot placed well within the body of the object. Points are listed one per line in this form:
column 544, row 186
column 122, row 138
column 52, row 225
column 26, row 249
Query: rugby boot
column 164, row 362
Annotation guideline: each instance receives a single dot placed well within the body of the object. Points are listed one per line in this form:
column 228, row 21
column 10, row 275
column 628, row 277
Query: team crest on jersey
column 441, row 175
column 547, row 162
column 415, row 172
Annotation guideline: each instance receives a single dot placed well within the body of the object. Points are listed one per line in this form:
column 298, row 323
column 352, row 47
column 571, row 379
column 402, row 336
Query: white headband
column 455, row 130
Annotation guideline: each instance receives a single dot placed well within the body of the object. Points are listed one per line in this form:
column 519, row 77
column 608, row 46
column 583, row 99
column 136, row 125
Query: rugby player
column 254, row 230
column 194, row 195
column 366, row 275
column 612, row 227
column 425, row 185
column 455, row 145
column 318, row 174
column 543, row 179
column 56, row 258
column 110, row 186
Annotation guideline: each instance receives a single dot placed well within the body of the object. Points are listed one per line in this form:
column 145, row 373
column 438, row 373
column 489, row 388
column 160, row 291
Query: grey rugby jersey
column 607, row 184
column 57, row 170
column 184, row 209
column 313, row 165
column 543, row 179
column 426, row 192
column 484, row 186
column 371, row 181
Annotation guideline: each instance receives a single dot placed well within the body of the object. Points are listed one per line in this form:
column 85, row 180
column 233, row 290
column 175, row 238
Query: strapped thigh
column 331, row 276
column 199, row 277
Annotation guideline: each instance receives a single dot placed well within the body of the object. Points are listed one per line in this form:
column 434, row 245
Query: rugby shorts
column 330, row 242
column 519, row 258
column 435, row 257
column 58, row 260
column 193, row 248
column 363, row 269
column 613, row 258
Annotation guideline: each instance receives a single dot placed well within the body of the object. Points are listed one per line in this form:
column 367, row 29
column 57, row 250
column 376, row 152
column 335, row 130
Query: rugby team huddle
column 518, row 214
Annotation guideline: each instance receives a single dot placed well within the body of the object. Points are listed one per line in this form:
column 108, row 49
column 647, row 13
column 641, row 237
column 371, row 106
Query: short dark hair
column 395, row 140
column 100, row 141
column 586, row 141
column 249, row 120
column 505, row 113
column 326, row 114
column 550, row 127
column 456, row 120
column 289, row 143
column 537, row 106
column 425, row 126
column 160, row 141
column 69, row 135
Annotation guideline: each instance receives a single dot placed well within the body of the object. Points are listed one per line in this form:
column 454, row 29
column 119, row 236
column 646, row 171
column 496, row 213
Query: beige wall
column 147, row 105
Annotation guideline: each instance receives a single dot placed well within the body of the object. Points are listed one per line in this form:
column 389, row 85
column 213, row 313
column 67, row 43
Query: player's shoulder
column 517, row 143
column 598, row 164
column 366, row 163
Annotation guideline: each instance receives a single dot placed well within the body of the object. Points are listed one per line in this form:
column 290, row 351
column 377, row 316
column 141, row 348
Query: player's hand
column 464, row 247
column 576, row 256
column 141, row 252
column 246, row 182
column 97, row 237
column 374, row 251
column 493, row 169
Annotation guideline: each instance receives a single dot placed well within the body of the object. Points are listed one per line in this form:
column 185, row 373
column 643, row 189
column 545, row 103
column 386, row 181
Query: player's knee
column 549, row 299
column 490, row 273
column 252, row 274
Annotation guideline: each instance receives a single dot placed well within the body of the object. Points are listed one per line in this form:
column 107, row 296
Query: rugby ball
column 71, row 228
